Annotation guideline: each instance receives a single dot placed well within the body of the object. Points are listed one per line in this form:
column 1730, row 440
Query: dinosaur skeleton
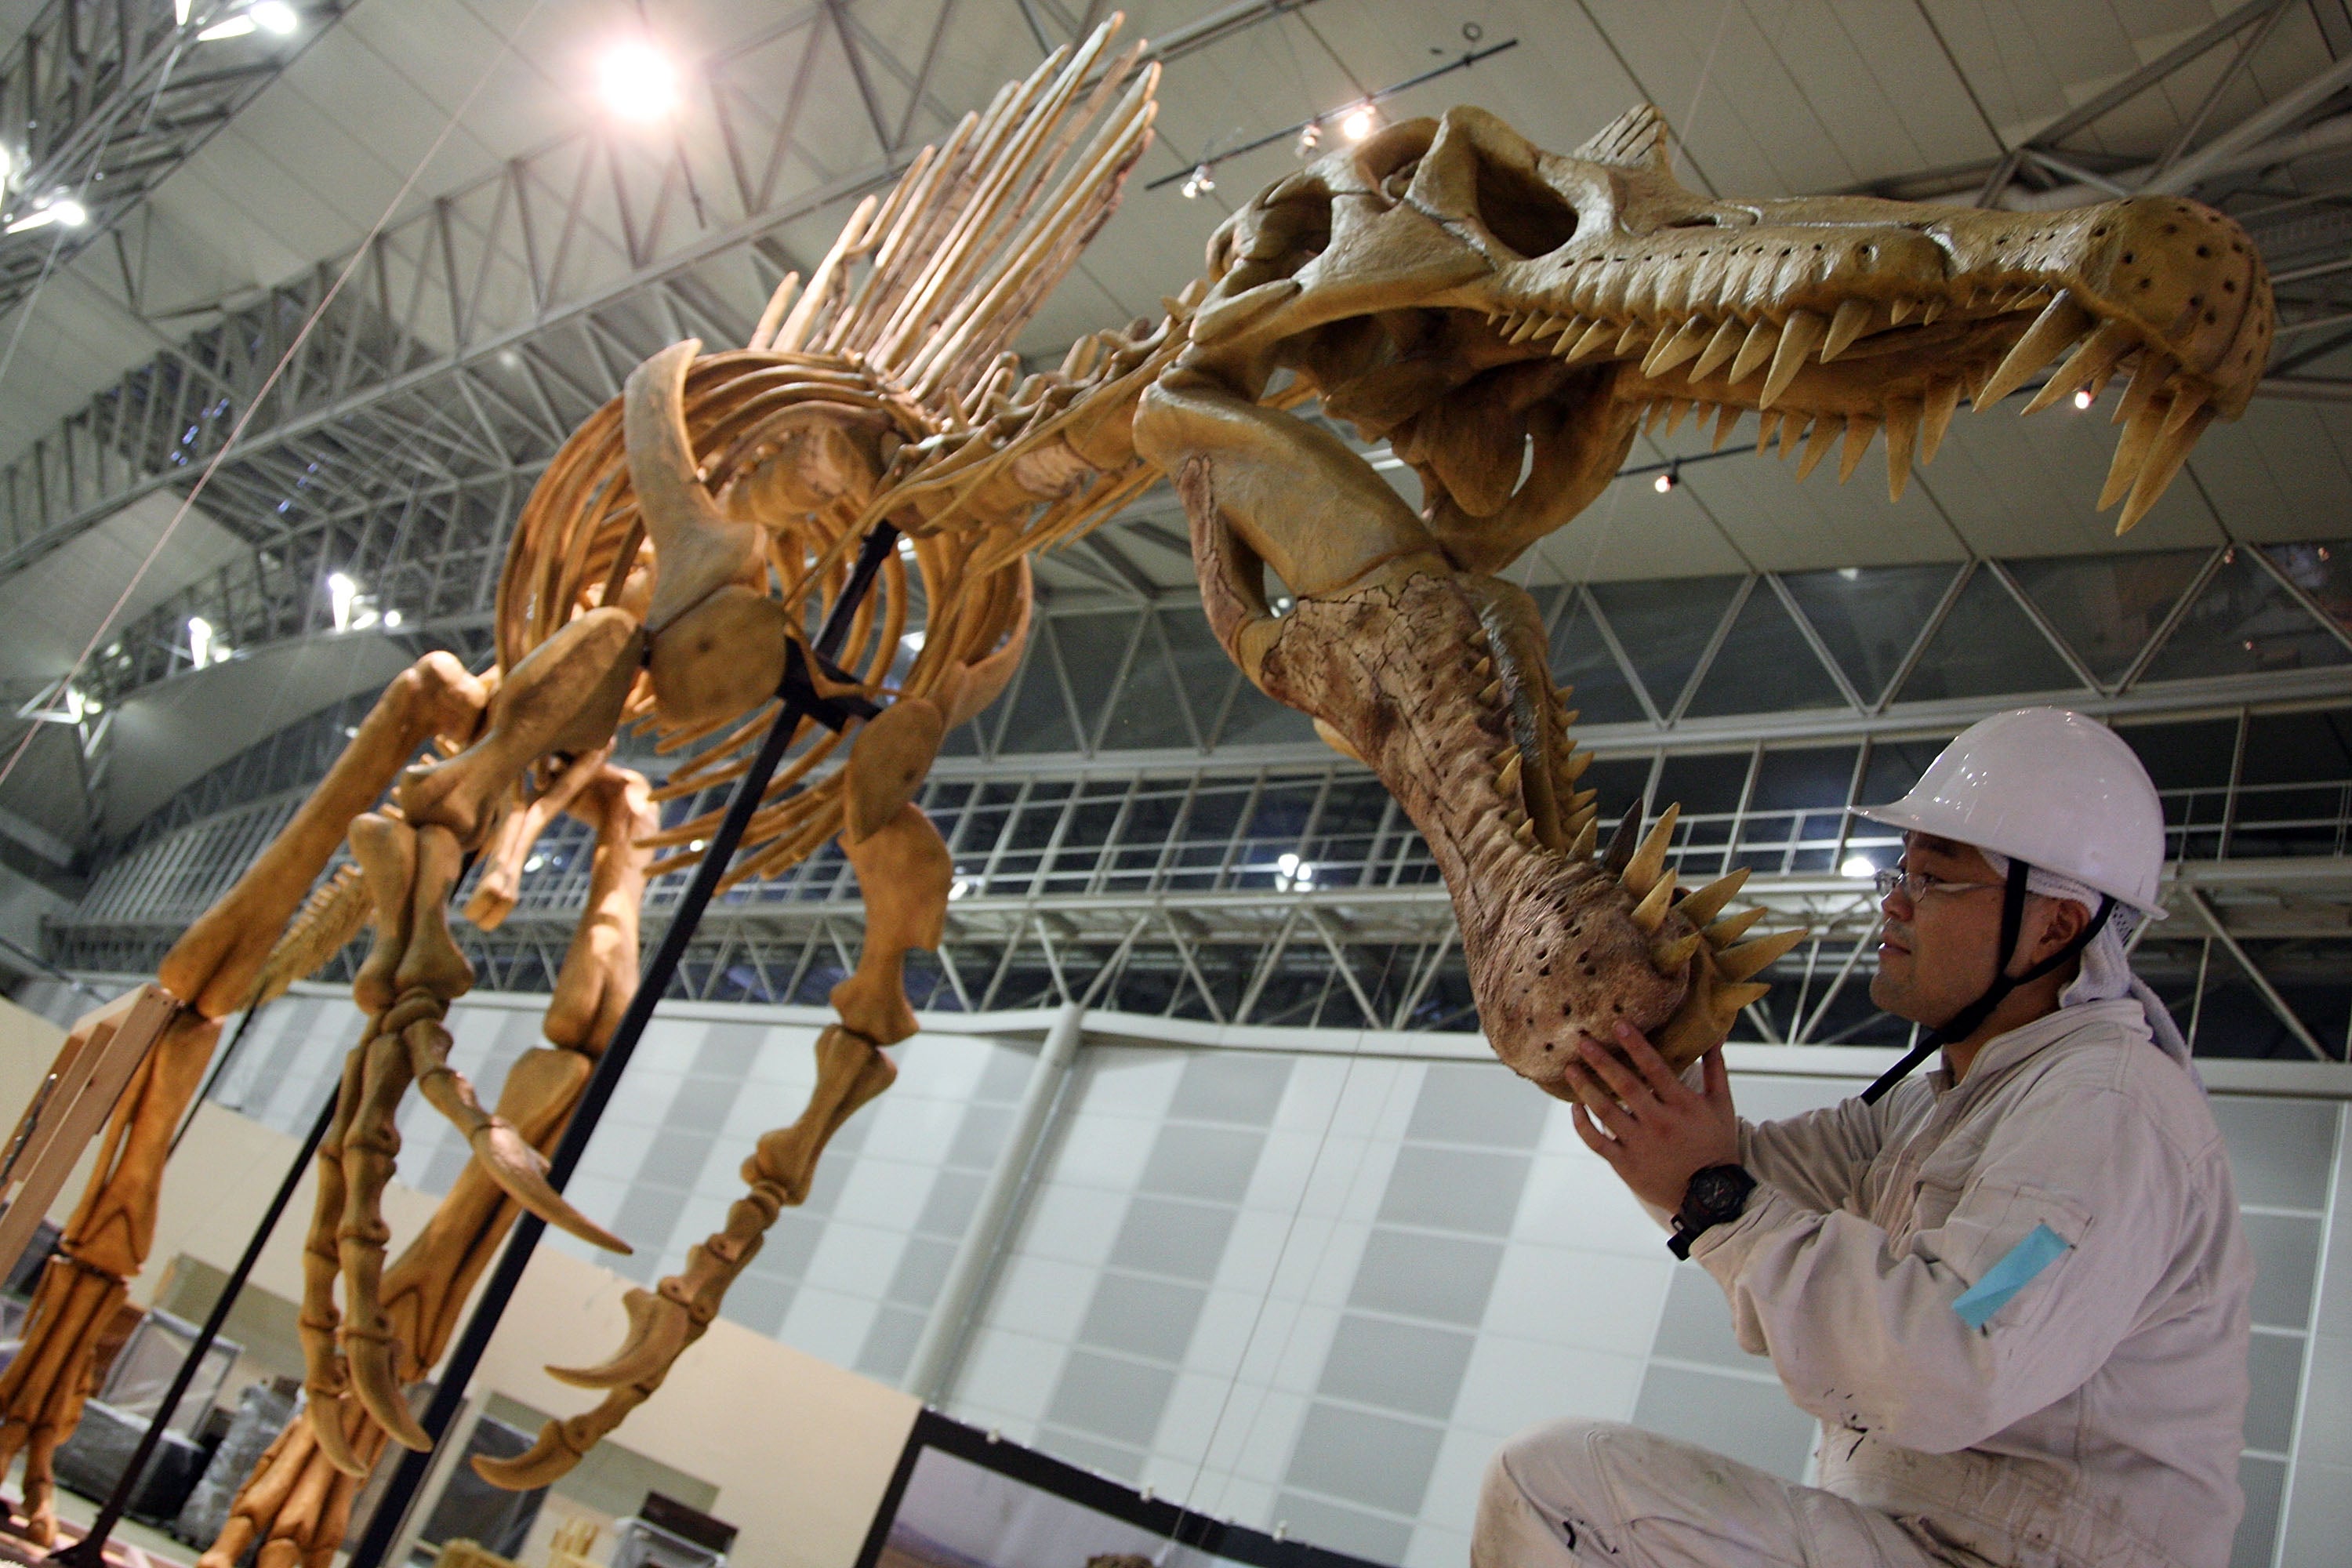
column 1489, row 309
column 1505, row 318
column 663, row 574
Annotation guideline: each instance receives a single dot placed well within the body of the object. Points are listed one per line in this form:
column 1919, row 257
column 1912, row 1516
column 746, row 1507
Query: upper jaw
column 1845, row 327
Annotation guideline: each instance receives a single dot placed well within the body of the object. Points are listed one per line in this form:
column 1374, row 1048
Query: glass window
column 1868, row 616
column 1987, row 646
column 1765, row 665
column 2244, row 624
column 1664, row 627
column 2107, row 606
column 1580, row 659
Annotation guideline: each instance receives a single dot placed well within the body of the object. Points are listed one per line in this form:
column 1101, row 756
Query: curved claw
column 658, row 1329
column 546, row 1461
column 326, row 1419
column 378, row 1391
column 561, row 1444
column 521, row 1174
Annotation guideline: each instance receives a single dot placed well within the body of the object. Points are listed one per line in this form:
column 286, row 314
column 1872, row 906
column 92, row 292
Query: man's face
column 1937, row 954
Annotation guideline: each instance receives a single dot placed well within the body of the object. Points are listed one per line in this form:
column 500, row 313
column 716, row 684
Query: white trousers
column 1590, row 1492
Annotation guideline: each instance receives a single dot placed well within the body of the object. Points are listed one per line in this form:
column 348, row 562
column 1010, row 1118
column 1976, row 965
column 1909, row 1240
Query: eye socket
column 1522, row 211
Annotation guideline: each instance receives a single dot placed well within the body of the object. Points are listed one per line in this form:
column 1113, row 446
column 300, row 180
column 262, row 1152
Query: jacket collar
column 2003, row 1052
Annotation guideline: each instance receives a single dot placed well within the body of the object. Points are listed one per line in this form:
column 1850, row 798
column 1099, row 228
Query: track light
column 221, row 32
column 1670, row 478
column 2082, row 398
column 1358, row 122
column 1200, row 180
column 275, row 17
column 637, row 80
column 1311, row 137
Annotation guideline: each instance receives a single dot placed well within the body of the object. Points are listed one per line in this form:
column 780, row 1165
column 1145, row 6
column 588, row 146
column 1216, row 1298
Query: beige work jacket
column 2095, row 1417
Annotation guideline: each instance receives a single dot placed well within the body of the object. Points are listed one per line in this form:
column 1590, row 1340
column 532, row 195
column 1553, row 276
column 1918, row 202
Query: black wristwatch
column 1715, row 1197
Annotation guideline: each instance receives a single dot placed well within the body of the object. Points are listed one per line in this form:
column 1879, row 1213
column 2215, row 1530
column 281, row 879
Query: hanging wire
column 261, row 394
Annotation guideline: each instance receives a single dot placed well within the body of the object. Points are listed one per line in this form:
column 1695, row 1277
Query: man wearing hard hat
column 2014, row 1292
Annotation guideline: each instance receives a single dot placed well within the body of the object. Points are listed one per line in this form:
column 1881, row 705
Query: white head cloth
column 2106, row 971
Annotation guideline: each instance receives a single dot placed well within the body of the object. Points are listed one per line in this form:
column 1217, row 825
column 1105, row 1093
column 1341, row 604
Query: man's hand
column 1655, row 1131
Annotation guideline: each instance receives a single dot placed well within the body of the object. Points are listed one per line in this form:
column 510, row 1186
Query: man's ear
column 2064, row 923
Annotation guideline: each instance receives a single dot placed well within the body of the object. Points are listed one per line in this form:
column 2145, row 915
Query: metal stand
column 799, row 702
column 89, row 1551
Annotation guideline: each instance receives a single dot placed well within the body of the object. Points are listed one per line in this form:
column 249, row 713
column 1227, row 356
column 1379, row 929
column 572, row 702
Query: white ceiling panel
column 56, row 606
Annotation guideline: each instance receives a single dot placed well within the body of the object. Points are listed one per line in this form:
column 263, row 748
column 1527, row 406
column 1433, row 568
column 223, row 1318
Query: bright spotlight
column 1200, row 180
column 1358, row 123
column 221, row 32
column 63, row 211
column 1858, row 866
column 275, row 16
column 638, row 81
column 392, row 617
column 2082, row 398
column 341, row 592
column 1311, row 137
column 1666, row 481
column 204, row 645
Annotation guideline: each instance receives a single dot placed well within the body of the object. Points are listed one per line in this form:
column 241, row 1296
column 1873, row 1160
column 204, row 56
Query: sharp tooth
column 1670, row 351
column 1934, row 310
column 1586, row 837
column 1573, row 769
column 1792, row 433
column 2153, row 370
column 2051, row 332
column 1732, row 998
column 1845, row 327
column 2191, row 414
column 1797, row 340
column 1900, row 311
column 1667, row 957
column 1755, row 348
column 1582, row 801
column 1656, row 417
column 1631, row 338
column 1767, row 425
column 1649, row 862
column 1731, row 928
column 1751, row 958
column 1507, row 779
column 1569, row 716
column 2094, row 358
column 1490, row 693
column 1719, row 348
column 1483, row 666
column 1526, row 831
column 1591, row 341
column 1817, row 446
column 1943, row 396
column 1725, row 418
column 1703, row 906
column 1550, row 325
column 1528, row 328
column 2138, row 440
column 1675, row 408
column 1859, row 429
column 1902, row 439
column 1622, row 841
column 1651, row 912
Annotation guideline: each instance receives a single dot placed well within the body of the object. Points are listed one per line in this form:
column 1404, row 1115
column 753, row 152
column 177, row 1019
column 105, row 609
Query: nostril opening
column 2127, row 259
column 2204, row 250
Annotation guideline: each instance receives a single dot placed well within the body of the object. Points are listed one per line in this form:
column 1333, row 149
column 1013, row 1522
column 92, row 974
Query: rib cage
column 904, row 331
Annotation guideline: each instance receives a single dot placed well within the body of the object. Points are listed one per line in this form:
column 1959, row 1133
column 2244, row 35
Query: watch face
column 1717, row 1193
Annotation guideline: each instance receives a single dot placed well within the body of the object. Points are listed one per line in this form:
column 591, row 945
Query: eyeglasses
column 1917, row 885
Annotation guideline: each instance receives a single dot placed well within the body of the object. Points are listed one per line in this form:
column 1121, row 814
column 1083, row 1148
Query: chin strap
column 1966, row 1021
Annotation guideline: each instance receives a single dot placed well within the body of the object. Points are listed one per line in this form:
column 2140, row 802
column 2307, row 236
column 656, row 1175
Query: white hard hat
column 2049, row 787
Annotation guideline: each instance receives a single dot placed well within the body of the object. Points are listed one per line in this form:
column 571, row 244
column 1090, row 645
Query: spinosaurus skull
column 1454, row 289
column 1504, row 317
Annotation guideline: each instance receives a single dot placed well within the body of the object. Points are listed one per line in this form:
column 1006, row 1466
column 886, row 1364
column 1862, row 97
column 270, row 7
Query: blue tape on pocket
column 2040, row 1248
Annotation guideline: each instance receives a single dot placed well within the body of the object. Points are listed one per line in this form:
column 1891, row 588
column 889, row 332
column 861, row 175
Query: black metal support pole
column 89, row 1551
column 399, row 1494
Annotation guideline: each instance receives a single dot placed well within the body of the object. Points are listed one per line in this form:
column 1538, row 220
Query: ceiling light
column 1358, row 122
column 61, row 210
column 1311, row 137
column 204, row 645
column 275, row 16
column 1200, row 180
column 638, row 81
column 7, row 163
column 220, row 31
column 1858, row 866
column 1669, row 479
column 2082, row 398
column 392, row 617
column 341, row 592
column 959, row 889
